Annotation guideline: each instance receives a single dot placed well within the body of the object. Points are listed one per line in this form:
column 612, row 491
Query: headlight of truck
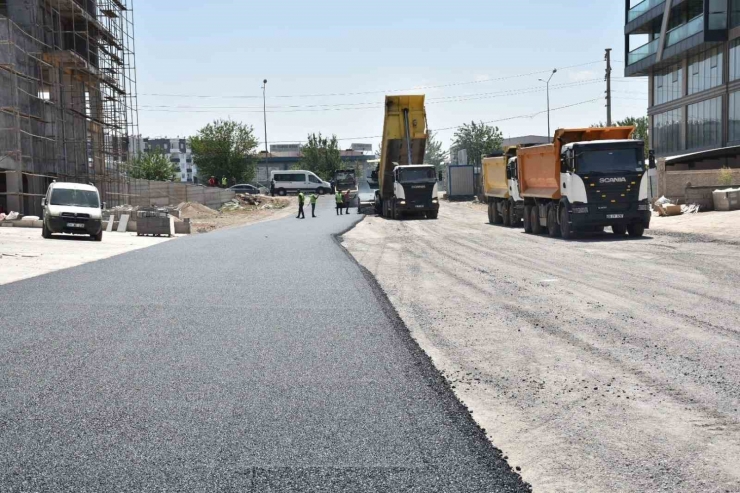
column 643, row 207
column 403, row 202
column 580, row 210
column 435, row 201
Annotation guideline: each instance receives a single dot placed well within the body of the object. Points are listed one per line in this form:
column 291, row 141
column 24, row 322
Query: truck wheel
column 553, row 228
column 619, row 229
column 566, row 230
column 534, row 219
column 636, row 230
column 527, row 218
column 513, row 219
column 496, row 216
column 506, row 218
column 395, row 212
column 432, row 214
column 490, row 212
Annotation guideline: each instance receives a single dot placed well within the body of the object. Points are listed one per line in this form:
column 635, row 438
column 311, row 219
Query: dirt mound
column 254, row 202
column 193, row 210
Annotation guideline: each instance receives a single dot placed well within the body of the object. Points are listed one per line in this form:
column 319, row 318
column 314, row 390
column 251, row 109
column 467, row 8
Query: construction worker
column 313, row 198
column 301, row 201
column 340, row 202
column 345, row 200
column 225, row 182
column 212, row 181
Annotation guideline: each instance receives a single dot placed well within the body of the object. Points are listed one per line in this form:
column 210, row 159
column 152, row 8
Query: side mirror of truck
column 651, row 159
column 563, row 165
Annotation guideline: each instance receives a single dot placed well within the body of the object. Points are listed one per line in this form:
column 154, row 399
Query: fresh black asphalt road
column 258, row 358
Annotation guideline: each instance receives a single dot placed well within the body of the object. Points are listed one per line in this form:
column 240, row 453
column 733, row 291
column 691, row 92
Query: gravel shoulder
column 598, row 365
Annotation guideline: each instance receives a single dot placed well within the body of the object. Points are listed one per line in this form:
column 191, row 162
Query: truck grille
column 615, row 196
column 417, row 194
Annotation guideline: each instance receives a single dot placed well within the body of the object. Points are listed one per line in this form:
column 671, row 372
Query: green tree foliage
column 434, row 153
column 153, row 166
column 321, row 155
column 641, row 128
column 225, row 148
column 479, row 140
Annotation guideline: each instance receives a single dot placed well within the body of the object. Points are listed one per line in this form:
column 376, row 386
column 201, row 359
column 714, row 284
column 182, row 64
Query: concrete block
column 109, row 226
column 123, row 223
column 182, row 228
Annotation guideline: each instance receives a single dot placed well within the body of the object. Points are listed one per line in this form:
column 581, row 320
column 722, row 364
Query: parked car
column 246, row 188
column 297, row 180
column 72, row 208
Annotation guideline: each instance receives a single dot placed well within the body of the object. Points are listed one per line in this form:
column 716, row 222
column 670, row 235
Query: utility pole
column 608, row 58
column 554, row 71
column 264, row 108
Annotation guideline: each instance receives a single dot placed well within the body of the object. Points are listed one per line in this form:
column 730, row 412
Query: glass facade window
column 704, row 124
column 705, row 70
column 735, row 58
column 667, row 132
column 734, row 117
column 668, row 85
column 734, row 13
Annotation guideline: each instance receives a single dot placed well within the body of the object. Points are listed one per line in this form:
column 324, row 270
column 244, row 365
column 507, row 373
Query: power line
column 356, row 106
column 419, row 88
column 530, row 115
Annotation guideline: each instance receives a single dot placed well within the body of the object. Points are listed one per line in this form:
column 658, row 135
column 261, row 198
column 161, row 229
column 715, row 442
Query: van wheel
column 534, row 219
column 636, row 230
column 321, row 191
column 527, row 218
column 281, row 192
column 566, row 230
column 506, row 218
column 619, row 229
column 98, row 237
column 553, row 228
column 45, row 231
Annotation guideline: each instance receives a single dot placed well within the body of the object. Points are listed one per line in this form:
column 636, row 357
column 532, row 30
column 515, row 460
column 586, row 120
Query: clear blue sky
column 226, row 48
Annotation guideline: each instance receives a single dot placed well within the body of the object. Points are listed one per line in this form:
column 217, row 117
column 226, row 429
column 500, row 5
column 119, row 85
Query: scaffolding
column 67, row 98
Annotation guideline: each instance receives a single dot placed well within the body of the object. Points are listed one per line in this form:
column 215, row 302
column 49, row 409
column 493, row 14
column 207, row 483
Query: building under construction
column 67, row 98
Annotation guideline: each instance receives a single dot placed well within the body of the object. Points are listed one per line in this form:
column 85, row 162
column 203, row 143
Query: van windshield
column 74, row 198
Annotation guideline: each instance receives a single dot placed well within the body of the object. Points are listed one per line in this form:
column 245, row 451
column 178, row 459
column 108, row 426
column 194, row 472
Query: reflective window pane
column 704, row 125
column 668, row 84
column 705, row 70
column 667, row 132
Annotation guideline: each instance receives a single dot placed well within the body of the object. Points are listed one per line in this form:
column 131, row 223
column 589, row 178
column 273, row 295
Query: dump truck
column 501, row 188
column 405, row 185
column 346, row 180
column 586, row 180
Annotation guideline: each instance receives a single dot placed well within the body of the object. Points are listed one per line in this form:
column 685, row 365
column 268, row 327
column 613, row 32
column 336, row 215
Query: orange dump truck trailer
column 586, row 180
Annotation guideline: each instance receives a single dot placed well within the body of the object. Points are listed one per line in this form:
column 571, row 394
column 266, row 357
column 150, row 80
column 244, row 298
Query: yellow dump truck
column 405, row 184
column 501, row 189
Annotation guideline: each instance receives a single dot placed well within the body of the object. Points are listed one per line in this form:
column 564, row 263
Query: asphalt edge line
column 438, row 383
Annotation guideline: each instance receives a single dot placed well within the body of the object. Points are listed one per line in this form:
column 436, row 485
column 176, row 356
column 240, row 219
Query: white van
column 72, row 208
column 284, row 182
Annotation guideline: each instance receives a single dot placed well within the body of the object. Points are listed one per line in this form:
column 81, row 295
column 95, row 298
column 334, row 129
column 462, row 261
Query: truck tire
column 553, row 228
column 506, row 218
column 432, row 214
column 527, row 218
column 513, row 218
column 534, row 219
column 395, row 212
column 619, row 229
column 490, row 212
column 636, row 230
column 496, row 216
column 566, row 230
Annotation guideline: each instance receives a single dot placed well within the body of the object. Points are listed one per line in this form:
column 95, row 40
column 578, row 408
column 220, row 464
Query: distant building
column 526, row 140
column 177, row 150
column 282, row 158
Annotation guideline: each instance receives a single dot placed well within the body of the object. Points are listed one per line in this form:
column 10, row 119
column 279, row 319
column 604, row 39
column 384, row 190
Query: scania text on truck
column 405, row 185
column 586, row 180
column 501, row 188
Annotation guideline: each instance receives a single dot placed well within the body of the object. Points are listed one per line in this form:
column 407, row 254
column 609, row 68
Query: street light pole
column 554, row 71
column 264, row 108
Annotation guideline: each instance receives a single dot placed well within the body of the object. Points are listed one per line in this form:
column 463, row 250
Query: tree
column 434, row 153
column 321, row 155
column 225, row 148
column 641, row 128
column 479, row 140
column 152, row 166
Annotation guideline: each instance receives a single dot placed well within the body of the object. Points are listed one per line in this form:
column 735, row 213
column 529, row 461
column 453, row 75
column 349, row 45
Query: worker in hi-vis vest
column 340, row 202
column 301, row 201
column 313, row 198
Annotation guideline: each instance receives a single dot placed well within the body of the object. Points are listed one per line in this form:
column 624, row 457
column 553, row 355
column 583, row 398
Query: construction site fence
column 146, row 193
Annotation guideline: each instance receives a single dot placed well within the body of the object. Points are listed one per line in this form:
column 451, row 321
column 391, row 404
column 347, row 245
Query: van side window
column 313, row 179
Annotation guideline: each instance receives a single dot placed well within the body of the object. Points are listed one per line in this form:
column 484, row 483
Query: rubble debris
column 690, row 208
column 247, row 202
